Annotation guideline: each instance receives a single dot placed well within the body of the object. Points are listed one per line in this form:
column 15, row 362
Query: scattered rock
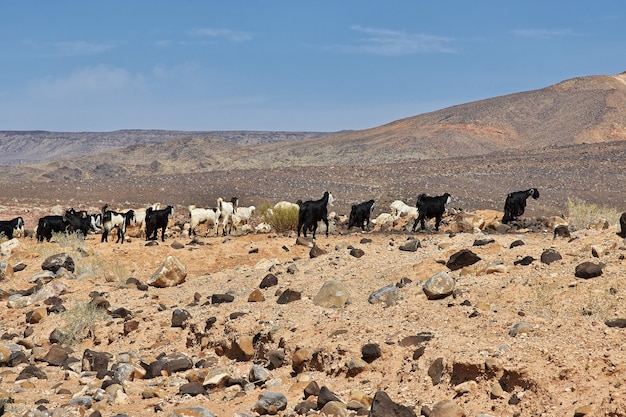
column 483, row 242
column 411, row 245
column 447, row 408
column 387, row 295
column 179, row 317
column 256, row 296
column 325, row 396
column 383, row 406
column 562, row 231
column 55, row 262
column 370, row 352
column 222, row 298
column 550, row 255
column 520, row 328
column 526, row 260
column 461, row 259
column 316, row 251
column 618, row 322
column 171, row 273
column 357, row 253
column 268, row 281
column 333, row 294
column 289, row 296
column 440, row 285
column 588, row 270
column 435, row 371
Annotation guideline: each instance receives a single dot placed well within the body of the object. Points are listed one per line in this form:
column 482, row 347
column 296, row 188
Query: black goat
column 622, row 225
column 8, row 227
column 515, row 204
column 312, row 212
column 157, row 219
column 430, row 207
column 76, row 222
column 360, row 215
column 50, row 224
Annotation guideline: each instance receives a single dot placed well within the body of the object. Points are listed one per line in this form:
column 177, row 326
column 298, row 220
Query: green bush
column 282, row 219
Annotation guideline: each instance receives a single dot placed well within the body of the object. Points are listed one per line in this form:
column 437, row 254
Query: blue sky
column 286, row 65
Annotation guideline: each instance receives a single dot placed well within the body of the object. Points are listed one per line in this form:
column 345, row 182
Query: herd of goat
column 227, row 213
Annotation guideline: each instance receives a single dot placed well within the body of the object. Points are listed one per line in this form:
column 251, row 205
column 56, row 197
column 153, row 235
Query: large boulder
column 171, row 273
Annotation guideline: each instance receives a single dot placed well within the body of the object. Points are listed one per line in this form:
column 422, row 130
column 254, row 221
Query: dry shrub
column 74, row 240
column 74, row 245
column 599, row 305
column 117, row 272
column 544, row 302
column 264, row 207
column 80, row 322
column 581, row 213
column 93, row 265
column 282, row 219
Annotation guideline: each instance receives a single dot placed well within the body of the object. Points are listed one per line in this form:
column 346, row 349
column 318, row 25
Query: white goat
column 283, row 205
column 286, row 205
column 400, row 209
column 114, row 220
column 227, row 210
column 198, row 215
column 242, row 216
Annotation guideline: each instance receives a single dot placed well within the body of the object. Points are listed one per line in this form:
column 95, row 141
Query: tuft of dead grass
column 581, row 213
column 80, row 322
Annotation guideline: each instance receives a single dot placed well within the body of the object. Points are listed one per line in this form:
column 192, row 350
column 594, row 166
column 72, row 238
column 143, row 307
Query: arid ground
column 566, row 362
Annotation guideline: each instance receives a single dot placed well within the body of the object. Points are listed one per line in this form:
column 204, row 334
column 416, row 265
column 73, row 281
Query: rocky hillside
column 582, row 110
column 21, row 147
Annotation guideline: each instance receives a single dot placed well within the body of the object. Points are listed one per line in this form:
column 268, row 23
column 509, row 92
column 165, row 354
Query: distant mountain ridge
column 587, row 109
column 22, row 147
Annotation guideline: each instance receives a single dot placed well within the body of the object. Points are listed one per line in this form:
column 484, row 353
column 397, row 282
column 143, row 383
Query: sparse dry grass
column 80, row 322
column 581, row 213
column 73, row 240
column 117, row 272
column 599, row 304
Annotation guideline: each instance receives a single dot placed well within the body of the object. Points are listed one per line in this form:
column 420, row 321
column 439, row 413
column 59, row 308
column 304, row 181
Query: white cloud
column 101, row 80
column 536, row 33
column 389, row 42
column 228, row 34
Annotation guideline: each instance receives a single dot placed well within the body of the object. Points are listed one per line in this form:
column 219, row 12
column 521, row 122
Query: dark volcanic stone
column 325, row 396
column 179, row 317
column 60, row 260
column 383, row 406
column 526, row 260
column 288, row 296
column 222, row 298
column 192, row 388
column 435, row 371
column 550, row 255
column 31, row 371
column 461, row 259
column 269, row 281
column 588, row 270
